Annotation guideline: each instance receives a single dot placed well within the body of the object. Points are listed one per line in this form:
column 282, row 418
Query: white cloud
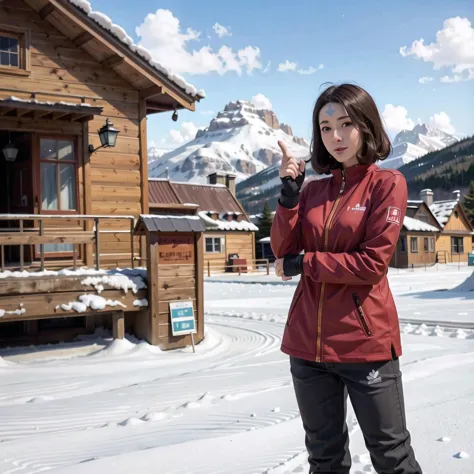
column 261, row 102
column 267, row 67
column 221, row 30
column 425, row 79
column 286, row 66
column 396, row 119
column 442, row 121
column 161, row 34
column 186, row 133
column 310, row 70
column 454, row 48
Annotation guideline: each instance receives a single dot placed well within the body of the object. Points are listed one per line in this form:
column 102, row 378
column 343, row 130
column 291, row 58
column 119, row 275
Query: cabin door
column 56, row 188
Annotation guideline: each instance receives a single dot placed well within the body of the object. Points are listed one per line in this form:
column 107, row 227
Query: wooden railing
column 41, row 235
column 251, row 265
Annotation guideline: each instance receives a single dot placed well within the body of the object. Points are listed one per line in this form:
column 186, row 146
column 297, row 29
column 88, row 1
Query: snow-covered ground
column 100, row 406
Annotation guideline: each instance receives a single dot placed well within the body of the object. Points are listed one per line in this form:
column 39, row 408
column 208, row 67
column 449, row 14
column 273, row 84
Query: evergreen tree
column 469, row 203
column 265, row 223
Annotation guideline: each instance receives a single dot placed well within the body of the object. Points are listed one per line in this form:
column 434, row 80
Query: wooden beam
column 48, row 305
column 113, row 61
column 41, row 113
column 6, row 111
column 143, row 166
column 58, row 115
column 46, row 11
column 82, row 38
column 79, row 117
column 152, row 91
column 160, row 108
column 21, row 112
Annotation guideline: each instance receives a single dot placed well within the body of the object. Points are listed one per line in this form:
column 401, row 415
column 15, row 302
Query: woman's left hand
column 279, row 269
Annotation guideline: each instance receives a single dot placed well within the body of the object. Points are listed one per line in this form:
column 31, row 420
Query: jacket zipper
column 323, row 285
column 361, row 314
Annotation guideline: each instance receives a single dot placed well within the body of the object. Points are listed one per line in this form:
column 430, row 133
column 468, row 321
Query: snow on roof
column 12, row 98
column 442, row 210
column 264, row 240
column 105, row 22
column 415, row 225
column 212, row 224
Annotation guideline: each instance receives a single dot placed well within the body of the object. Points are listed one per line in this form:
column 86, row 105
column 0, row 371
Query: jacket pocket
column 361, row 316
column 296, row 298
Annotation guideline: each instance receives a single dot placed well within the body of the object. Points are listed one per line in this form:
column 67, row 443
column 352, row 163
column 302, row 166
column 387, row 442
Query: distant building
column 433, row 231
column 229, row 229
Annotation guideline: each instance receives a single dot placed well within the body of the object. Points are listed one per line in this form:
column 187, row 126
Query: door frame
column 36, row 167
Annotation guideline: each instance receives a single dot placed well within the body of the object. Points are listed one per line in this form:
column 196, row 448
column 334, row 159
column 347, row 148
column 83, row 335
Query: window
column 457, row 245
column 426, row 244
column 9, row 51
column 432, row 244
column 215, row 244
column 403, row 244
column 58, row 175
column 14, row 50
column 414, row 244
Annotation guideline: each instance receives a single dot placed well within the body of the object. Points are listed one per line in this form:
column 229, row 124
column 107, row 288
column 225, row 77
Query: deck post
column 118, row 324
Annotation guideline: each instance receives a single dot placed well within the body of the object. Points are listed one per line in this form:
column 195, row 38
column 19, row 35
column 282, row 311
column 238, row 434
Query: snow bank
column 105, row 22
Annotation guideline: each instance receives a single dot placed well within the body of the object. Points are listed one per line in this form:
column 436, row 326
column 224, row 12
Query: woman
column 342, row 333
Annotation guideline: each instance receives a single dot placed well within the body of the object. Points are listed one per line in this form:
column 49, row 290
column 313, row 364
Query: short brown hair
column 363, row 112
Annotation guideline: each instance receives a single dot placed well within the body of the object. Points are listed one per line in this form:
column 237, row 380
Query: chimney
column 230, row 183
column 427, row 196
column 457, row 195
column 216, row 178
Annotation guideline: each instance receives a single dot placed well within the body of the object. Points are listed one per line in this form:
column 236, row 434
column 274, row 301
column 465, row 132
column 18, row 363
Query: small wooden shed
column 175, row 259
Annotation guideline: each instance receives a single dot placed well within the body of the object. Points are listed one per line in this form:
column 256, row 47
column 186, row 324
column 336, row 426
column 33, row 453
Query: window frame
column 403, row 243
column 412, row 240
column 431, row 244
column 214, row 239
column 24, row 44
column 459, row 245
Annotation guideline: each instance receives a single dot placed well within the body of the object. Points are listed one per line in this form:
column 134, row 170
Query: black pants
column 375, row 391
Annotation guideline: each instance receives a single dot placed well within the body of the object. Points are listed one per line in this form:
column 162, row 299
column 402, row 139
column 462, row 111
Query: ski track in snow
column 126, row 406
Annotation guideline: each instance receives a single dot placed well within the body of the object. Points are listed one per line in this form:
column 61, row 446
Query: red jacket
column 348, row 226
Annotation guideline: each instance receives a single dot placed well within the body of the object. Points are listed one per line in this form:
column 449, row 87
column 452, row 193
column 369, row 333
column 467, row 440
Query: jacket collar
column 353, row 174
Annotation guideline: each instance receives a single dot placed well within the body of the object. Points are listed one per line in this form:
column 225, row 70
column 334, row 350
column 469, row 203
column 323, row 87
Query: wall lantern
column 108, row 137
column 10, row 151
column 174, row 117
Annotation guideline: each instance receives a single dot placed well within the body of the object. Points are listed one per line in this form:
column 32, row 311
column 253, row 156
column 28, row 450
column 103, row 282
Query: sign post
column 182, row 319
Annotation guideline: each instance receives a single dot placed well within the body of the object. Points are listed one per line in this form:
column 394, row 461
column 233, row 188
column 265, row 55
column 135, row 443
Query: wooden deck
column 32, row 298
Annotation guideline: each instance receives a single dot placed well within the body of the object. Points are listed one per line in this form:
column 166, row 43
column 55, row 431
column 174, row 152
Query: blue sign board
column 182, row 318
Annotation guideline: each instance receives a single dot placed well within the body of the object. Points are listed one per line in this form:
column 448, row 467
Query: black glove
column 290, row 190
column 292, row 265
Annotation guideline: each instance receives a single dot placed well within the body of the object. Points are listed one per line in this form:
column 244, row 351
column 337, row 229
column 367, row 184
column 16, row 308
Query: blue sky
column 355, row 43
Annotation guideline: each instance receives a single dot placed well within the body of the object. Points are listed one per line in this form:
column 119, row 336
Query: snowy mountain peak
column 241, row 139
column 409, row 145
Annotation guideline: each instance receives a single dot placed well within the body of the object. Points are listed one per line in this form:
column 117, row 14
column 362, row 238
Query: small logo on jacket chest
column 357, row 207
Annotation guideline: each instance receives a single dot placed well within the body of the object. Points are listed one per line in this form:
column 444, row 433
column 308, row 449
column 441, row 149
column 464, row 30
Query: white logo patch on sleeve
column 394, row 215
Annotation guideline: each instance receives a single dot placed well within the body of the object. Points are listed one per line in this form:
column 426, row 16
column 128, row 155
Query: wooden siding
column 111, row 181
column 241, row 243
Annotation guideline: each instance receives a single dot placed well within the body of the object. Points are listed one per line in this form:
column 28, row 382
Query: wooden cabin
column 228, row 231
column 70, row 196
column 433, row 232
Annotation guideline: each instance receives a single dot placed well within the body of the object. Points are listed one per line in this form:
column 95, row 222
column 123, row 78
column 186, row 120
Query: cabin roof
column 110, row 45
column 415, row 225
column 169, row 223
